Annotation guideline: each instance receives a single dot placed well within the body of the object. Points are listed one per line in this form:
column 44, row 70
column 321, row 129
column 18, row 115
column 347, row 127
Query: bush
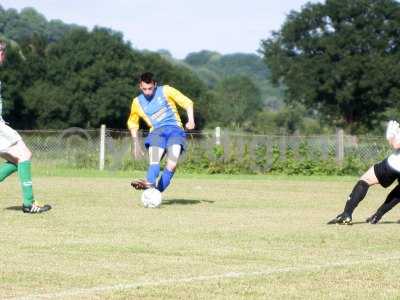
column 240, row 156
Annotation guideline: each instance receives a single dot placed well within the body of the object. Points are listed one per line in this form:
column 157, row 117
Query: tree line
column 89, row 77
column 335, row 64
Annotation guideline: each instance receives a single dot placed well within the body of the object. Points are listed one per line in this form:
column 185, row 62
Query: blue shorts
column 166, row 136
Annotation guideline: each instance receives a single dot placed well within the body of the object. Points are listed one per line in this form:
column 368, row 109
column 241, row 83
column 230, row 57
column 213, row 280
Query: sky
column 179, row 26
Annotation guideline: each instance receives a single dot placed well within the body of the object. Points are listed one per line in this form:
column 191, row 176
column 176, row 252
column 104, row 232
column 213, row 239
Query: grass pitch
column 215, row 237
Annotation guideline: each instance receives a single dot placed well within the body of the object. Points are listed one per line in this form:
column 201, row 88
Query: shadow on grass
column 363, row 222
column 184, row 202
column 17, row 208
column 388, row 222
column 359, row 223
column 379, row 223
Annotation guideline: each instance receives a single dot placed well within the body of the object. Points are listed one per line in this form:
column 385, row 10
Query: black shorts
column 385, row 174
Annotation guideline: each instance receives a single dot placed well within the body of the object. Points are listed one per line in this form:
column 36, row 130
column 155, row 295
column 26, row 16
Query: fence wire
column 76, row 147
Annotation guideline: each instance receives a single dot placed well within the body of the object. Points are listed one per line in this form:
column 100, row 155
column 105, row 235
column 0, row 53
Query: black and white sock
column 391, row 201
column 356, row 196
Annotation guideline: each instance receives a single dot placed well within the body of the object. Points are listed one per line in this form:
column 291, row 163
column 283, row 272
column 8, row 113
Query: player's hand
column 190, row 125
column 392, row 130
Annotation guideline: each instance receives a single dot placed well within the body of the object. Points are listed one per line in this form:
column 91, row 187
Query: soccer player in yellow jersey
column 156, row 105
column 17, row 156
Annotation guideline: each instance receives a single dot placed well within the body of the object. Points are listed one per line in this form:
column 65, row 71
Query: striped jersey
column 160, row 110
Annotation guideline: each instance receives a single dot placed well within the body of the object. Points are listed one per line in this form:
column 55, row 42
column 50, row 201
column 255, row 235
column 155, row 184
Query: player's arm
column 133, row 125
column 190, row 114
column 393, row 134
column 395, row 143
column 183, row 102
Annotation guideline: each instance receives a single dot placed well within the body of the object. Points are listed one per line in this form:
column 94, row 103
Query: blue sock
column 165, row 180
column 152, row 173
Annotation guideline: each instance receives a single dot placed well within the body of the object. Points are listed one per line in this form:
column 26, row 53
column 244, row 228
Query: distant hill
column 213, row 66
column 23, row 25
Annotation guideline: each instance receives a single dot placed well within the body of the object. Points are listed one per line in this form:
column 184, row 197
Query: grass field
column 221, row 237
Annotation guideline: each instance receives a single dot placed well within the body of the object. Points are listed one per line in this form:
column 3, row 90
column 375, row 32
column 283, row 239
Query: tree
column 236, row 100
column 202, row 58
column 85, row 79
column 14, row 76
column 340, row 58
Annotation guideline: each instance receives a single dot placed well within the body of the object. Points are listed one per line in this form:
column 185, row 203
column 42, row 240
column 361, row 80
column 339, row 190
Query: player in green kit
column 17, row 156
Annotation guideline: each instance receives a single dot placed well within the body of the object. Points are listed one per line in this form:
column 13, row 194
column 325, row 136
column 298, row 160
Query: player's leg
column 358, row 193
column 20, row 155
column 6, row 169
column 391, row 201
column 156, row 144
column 155, row 155
column 176, row 144
column 8, row 137
column 173, row 154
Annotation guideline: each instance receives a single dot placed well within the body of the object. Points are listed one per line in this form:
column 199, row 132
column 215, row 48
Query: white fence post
column 340, row 145
column 283, row 143
column 102, row 147
column 217, row 136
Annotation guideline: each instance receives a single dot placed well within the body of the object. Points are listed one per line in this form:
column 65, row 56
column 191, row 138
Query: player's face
column 147, row 88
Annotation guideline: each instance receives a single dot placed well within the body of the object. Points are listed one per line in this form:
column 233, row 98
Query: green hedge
column 304, row 160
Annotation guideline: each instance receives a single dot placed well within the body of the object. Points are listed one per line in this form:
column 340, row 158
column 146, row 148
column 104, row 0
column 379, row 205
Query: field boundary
column 228, row 275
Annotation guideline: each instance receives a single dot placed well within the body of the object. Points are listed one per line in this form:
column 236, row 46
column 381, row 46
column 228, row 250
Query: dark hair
column 147, row 77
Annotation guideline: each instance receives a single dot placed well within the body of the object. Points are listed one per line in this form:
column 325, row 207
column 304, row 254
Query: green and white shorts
column 8, row 137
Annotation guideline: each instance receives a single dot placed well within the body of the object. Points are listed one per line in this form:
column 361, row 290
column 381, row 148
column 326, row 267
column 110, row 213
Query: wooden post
column 218, row 136
column 283, row 143
column 339, row 145
column 102, row 147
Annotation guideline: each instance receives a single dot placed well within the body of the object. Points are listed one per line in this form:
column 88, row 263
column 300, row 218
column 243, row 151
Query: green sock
column 7, row 169
column 25, row 178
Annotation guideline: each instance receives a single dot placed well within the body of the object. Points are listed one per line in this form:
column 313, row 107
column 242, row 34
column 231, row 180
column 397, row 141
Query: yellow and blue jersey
column 161, row 110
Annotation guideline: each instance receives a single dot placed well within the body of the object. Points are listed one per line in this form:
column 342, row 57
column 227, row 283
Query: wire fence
column 111, row 149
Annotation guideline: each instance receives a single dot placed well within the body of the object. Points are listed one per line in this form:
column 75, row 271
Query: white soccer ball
column 151, row 198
